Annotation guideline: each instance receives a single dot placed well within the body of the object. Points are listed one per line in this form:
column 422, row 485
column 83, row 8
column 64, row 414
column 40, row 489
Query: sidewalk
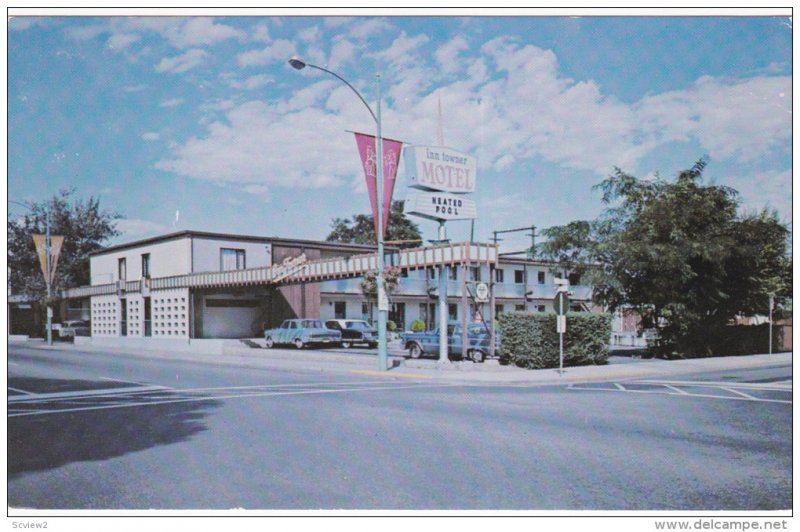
column 251, row 354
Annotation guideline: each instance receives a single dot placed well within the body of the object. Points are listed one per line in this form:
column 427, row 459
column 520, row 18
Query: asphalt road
column 104, row 431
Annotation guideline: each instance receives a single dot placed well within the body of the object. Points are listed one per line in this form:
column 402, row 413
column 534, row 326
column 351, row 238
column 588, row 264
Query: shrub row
column 727, row 340
column 530, row 340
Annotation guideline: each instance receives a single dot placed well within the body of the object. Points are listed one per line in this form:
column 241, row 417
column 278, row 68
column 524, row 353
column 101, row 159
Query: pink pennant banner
column 391, row 159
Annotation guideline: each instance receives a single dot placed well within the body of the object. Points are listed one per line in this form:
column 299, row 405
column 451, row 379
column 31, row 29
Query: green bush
column 530, row 340
column 724, row 340
column 391, row 326
column 417, row 326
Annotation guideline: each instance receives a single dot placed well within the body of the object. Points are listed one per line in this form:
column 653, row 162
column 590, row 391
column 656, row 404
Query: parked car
column 354, row 332
column 301, row 333
column 72, row 328
column 427, row 343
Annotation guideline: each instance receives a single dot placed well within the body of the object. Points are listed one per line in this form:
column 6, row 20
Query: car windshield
column 358, row 326
column 311, row 324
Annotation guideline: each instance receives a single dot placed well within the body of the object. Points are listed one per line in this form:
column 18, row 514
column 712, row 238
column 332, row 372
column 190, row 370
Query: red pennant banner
column 391, row 160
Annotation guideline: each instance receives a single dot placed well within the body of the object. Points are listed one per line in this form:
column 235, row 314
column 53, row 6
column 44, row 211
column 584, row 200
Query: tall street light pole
column 383, row 304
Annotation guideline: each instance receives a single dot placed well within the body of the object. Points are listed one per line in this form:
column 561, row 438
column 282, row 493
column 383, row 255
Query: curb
column 456, row 371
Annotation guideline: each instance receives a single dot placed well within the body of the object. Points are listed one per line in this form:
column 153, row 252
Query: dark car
column 354, row 332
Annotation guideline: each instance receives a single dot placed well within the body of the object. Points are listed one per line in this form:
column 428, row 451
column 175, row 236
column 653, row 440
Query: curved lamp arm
column 299, row 64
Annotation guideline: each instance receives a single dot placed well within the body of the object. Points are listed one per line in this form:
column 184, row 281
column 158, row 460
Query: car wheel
column 270, row 342
column 347, row 345
column 477, row 355
column 415, row 351
column 298, row 343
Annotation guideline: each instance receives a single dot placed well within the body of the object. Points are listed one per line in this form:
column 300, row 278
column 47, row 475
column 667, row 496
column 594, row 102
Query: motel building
column 198, row 285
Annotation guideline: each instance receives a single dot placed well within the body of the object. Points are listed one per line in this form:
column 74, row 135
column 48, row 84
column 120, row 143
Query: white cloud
column 182, row 63
column 173, row 102
column 262, row 191
column 447, row 54
column 150, row 136
column 134, row 88
column 364, row 28
column 253, row 82
column 201, row 31
column 310, row 34
column 121, row 41
column 261, row 33
column 342, row 52
column 278, row 51
column 505, row 103
column 258, row 145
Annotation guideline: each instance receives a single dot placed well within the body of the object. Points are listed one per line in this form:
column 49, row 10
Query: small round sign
column 561, row 303
column 482, row 292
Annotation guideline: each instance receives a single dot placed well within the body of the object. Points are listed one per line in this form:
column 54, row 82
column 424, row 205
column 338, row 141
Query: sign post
column 561, row 304
column 441, row 178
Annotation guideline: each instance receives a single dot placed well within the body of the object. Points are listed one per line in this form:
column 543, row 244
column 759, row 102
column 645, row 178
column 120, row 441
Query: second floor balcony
column 430, row 287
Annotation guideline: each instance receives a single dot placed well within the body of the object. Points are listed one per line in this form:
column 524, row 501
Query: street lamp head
column 297, row 63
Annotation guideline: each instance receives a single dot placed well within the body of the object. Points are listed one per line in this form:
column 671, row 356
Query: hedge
column 728, row 340
column 530, row 340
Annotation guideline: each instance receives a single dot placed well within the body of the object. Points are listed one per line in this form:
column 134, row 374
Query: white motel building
column 197, row 285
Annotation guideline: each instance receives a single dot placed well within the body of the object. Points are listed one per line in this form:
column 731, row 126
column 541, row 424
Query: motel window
column 452, row 311
column 541, row 277
column 122, row 269
column 519, row 308
column 146, row 265
column 498, row 309
column 540, row 308
column 475, row 273
column 339, row 310
column 453, row 273
column 498, row 276
column 231, row 259
column 519, row 276
column 574, row 279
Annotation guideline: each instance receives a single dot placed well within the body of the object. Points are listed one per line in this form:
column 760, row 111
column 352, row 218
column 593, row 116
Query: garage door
column 229, row 318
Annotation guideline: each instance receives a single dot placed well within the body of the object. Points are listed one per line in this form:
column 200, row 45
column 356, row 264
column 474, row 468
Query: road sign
column 561, row 303
column 482, row 292
column 561, row 324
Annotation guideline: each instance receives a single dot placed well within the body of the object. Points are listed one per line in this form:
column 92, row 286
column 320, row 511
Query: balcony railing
column 430, row 287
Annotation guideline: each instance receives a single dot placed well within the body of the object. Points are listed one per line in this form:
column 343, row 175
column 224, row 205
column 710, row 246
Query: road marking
column 220, row 397
column 753, row 385
column 107, row 392
column 728, row 387
column 391, row 374
column 120, row 380
column 20, row 391
column 738, row 392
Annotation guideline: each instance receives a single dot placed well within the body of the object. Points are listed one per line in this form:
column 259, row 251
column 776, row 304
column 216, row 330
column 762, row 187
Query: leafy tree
column 84, row 226
column 680, row 254
column 361, row 228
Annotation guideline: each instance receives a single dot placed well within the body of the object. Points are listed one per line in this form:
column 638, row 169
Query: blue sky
column 203, row 116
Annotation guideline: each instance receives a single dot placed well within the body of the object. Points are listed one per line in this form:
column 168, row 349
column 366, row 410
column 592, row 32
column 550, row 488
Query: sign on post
column 561, row 303
column 482, row 292
column 442, row 169
column 440, row 206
